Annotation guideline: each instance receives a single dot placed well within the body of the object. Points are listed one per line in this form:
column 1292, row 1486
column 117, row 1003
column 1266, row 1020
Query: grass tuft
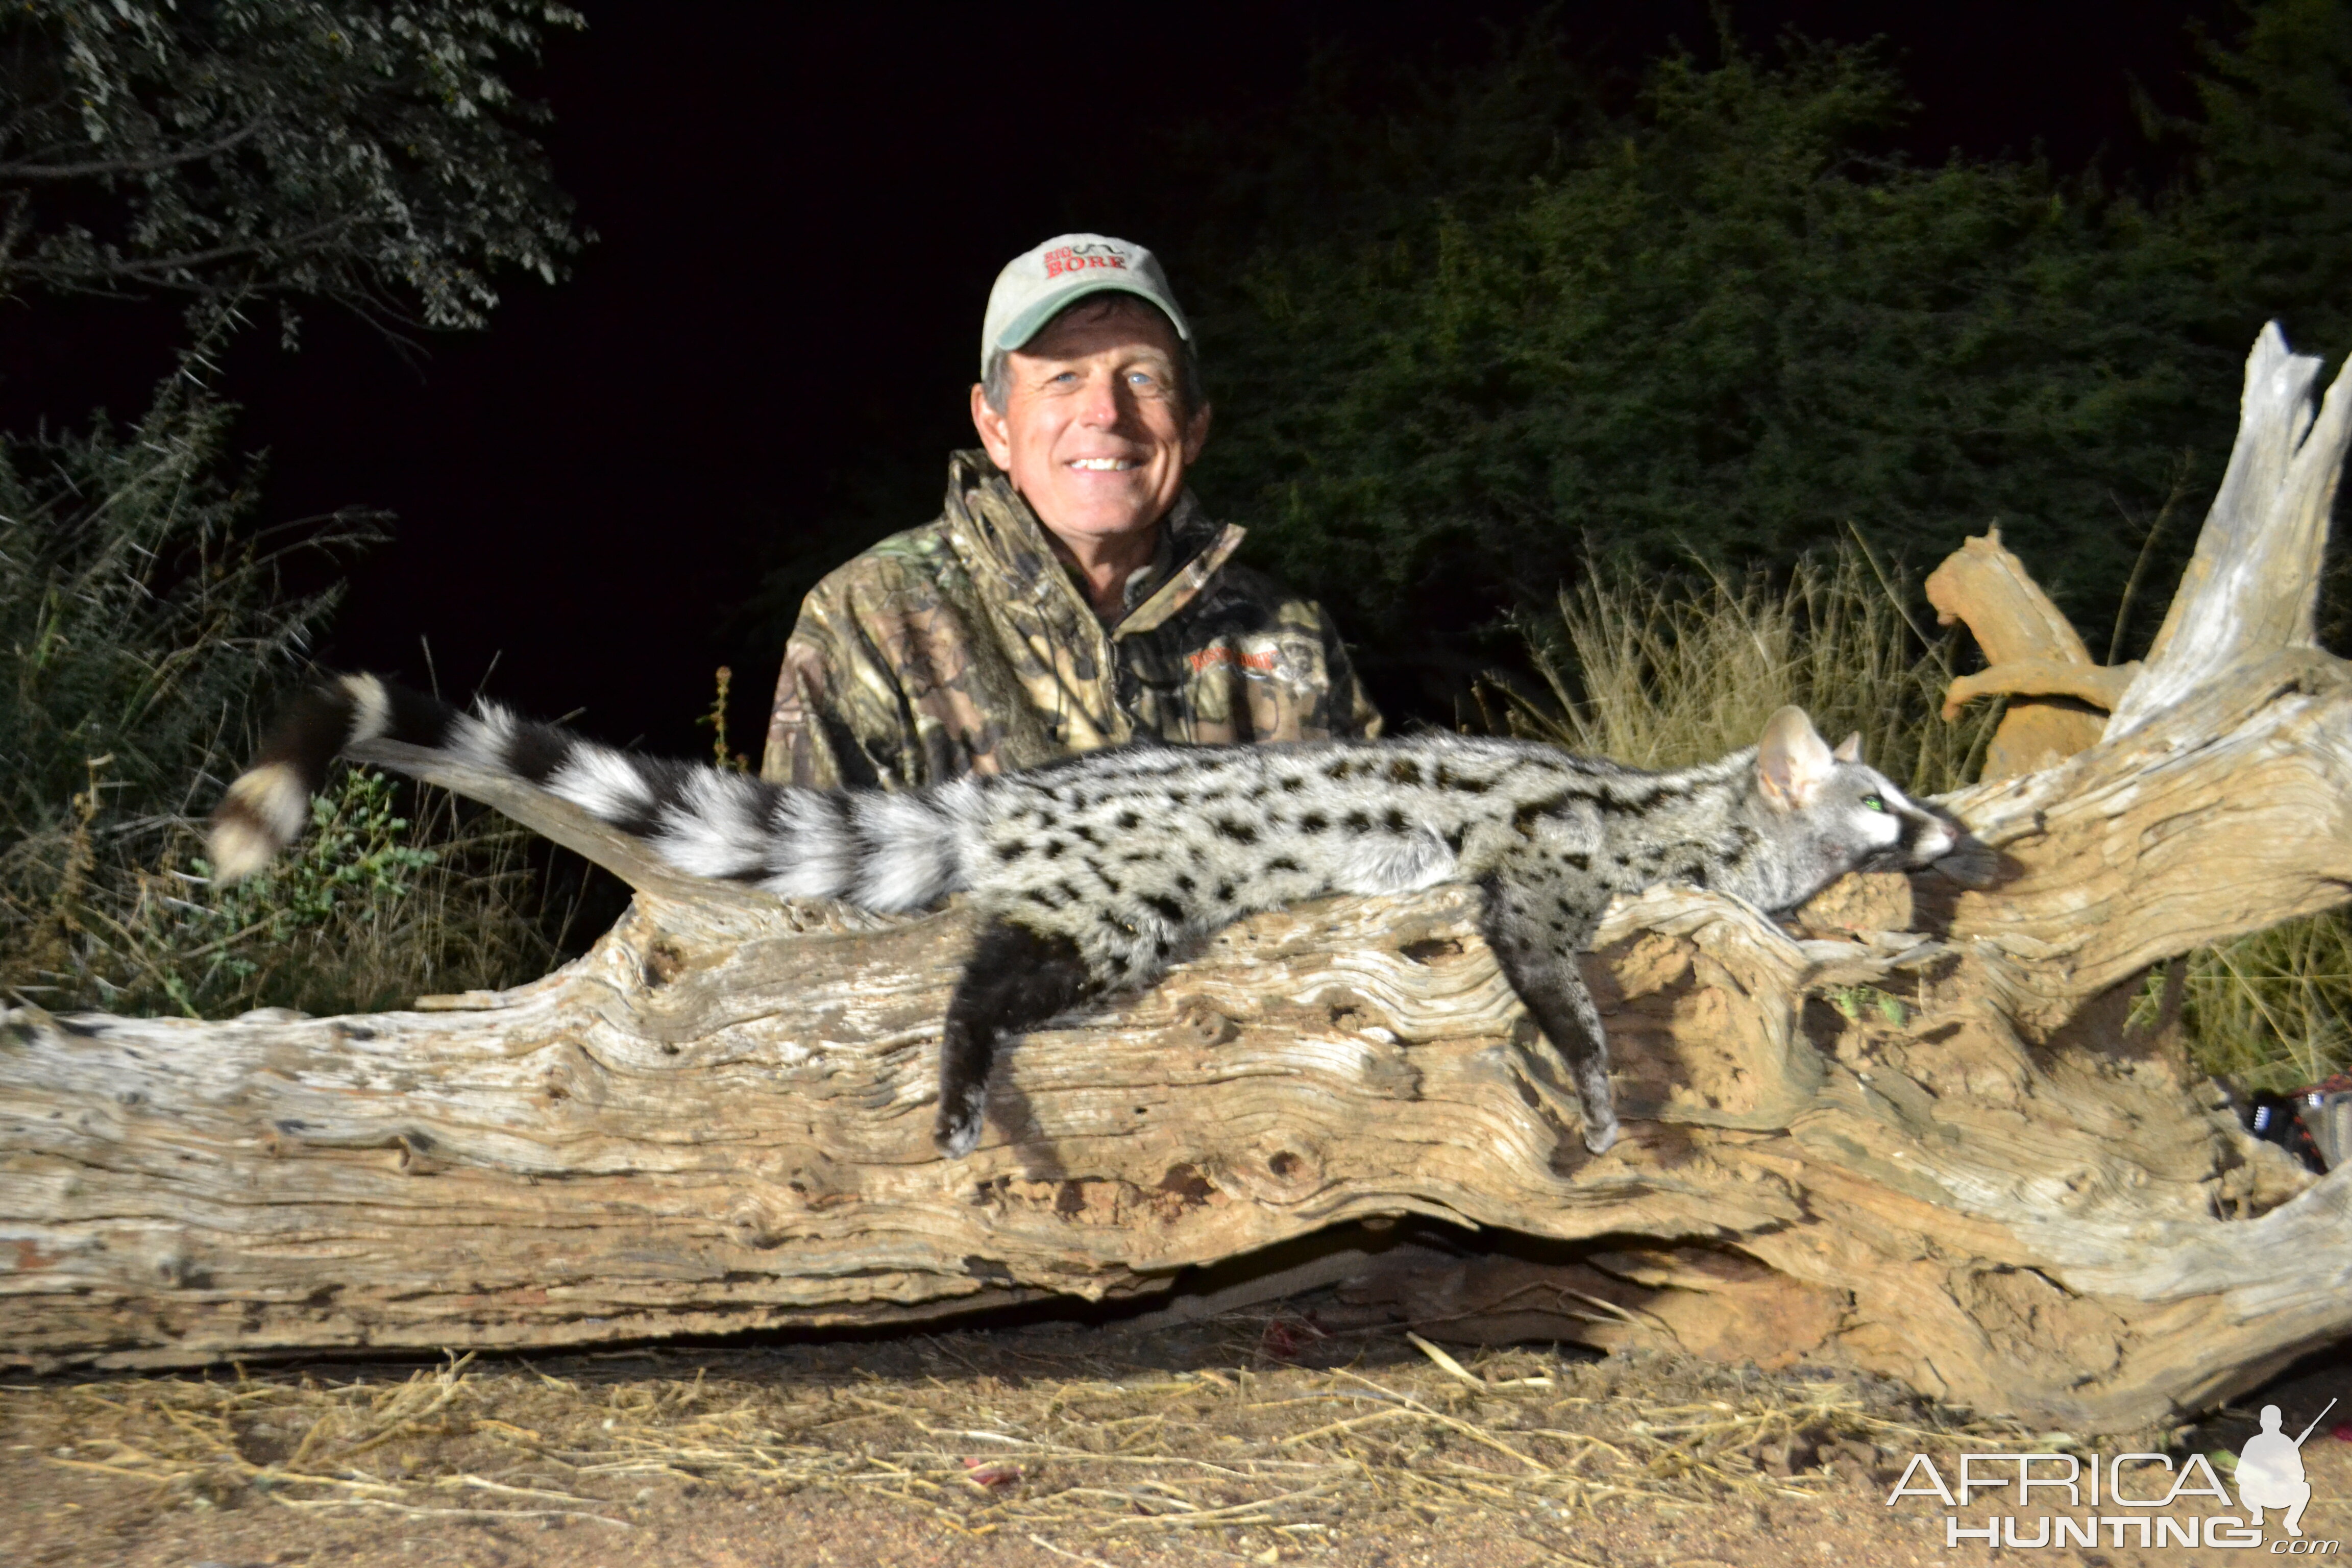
column 1666, row 673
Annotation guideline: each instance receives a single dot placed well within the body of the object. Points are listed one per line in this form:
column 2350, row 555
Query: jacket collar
column 998, row 536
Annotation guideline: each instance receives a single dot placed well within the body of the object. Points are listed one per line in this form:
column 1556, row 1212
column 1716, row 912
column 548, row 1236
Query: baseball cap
column 1036, row 285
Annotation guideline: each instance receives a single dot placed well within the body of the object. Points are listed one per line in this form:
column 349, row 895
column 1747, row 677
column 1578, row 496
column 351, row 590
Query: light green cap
column 1037, row 285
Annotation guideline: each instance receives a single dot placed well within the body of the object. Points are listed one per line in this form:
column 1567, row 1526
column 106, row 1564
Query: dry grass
column 1664, row 672
column 2269, row 1010
column 1067, row 1436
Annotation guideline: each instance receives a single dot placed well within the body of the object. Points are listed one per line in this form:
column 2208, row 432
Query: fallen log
column 1914, row 1132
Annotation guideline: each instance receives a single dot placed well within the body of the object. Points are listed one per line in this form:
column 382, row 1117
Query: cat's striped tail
column 881, row 851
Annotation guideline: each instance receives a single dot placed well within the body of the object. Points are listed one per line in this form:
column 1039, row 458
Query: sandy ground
column 1038, row 1447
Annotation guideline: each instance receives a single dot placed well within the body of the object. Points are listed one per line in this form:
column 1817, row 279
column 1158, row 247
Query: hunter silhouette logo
column 2269, row 1471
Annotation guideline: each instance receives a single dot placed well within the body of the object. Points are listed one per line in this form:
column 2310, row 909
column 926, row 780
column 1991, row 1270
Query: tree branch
column 101, row 167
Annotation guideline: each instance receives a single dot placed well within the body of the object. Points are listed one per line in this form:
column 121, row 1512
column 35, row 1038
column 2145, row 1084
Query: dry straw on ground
column 1066, row 1435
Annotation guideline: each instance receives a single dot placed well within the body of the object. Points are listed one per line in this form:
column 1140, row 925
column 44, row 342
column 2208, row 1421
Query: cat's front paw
column 956, row 1132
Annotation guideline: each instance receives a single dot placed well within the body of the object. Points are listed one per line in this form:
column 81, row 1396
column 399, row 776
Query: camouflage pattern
column 964, row 646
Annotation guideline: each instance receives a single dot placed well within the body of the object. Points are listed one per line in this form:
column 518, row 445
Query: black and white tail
column 884, row 852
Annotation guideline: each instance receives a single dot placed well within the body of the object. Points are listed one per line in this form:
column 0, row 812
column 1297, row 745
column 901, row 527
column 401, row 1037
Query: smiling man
column 1072, row 594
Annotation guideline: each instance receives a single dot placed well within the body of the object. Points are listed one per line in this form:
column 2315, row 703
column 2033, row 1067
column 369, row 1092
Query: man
column 1072, row 594
column 2270, row 1473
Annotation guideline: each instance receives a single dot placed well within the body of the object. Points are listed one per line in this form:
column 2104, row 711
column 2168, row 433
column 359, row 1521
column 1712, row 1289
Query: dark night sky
column 800, row 211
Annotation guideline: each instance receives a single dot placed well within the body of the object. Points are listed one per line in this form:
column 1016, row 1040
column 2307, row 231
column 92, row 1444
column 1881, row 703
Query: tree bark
column 1912, row 1132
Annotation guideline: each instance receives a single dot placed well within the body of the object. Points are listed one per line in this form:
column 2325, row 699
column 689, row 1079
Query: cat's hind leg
column 1541, row 964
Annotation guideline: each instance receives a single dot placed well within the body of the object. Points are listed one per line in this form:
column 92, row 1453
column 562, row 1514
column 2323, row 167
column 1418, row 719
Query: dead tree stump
column 1916, row 1138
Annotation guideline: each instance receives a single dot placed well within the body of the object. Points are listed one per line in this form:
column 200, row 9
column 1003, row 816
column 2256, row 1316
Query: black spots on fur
column 1054, row 848
column 1224, row 892
column 1128, row 821
column 1166, row 908
column 1577, row 859
column 1453, row 838
column 1180, row 797
column 1085, row 835
column 1239, row 831
column 1012, row 851
column 1039, row 896
column 1357, row 822
column 1107, row 880
column 1185, row 884
column 1292, row 784
column 1394, row 822
column 1312, row 822
column 1284, row 863
column 1463, row 783
column 1341, row 769
column 1069, row 894
column 1404, row 771
column 1524, row 820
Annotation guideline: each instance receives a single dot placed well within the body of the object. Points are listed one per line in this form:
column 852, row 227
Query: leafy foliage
column 141, row 614
column 144, row 622
column 371, row 155
column 2265, row 212
column 1716, row 324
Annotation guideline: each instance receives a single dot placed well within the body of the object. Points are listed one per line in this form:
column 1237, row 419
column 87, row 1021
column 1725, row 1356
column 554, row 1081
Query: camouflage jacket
column 965, row 646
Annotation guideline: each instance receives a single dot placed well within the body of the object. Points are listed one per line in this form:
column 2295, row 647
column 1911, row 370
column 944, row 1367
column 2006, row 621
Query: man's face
column 1094, row 432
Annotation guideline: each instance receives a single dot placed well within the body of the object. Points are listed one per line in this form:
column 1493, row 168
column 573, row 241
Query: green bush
column 144, row 624
column 1458, row 345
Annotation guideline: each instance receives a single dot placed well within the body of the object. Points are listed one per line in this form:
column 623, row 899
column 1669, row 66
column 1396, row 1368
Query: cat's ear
column 1849, row 749
column 1792, row 760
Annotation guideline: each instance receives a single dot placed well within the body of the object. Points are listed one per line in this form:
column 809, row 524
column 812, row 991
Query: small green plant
column 380, row 902
column 1857, row 1001
column 357, row 849
column 715, row 720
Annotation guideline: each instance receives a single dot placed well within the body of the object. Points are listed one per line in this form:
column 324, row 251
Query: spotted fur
column 1095, row 873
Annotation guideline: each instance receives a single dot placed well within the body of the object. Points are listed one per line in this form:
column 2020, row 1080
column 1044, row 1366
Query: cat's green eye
column 1874, row 802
